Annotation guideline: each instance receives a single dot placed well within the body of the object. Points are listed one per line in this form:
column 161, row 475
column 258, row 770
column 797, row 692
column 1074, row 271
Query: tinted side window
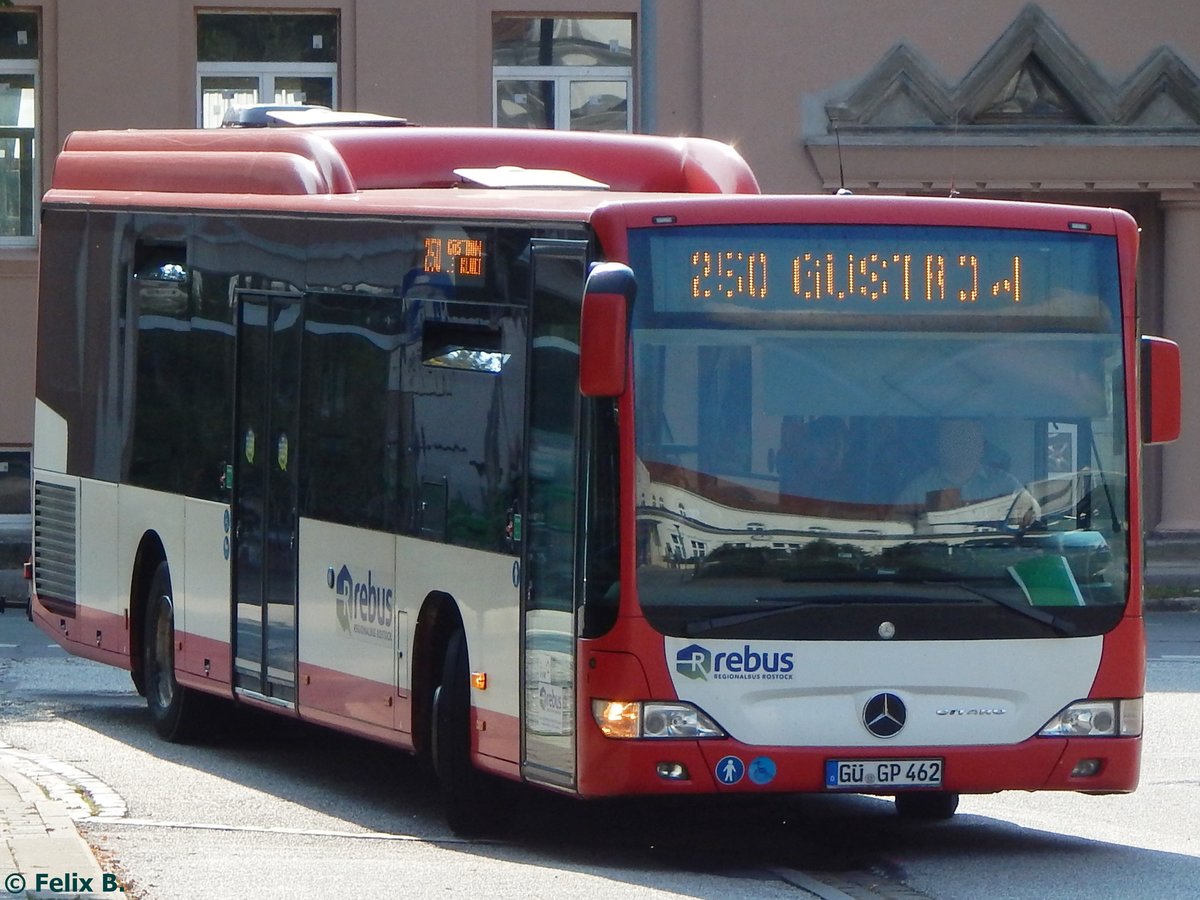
column 350, row 427
column 463, row 379
column 210, row 373
column 160, row 453
column 61, row 304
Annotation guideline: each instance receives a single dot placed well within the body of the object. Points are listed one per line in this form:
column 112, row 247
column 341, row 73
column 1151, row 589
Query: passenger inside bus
column 965, row 472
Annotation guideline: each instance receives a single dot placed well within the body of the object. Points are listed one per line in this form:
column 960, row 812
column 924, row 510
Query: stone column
column 1181, row 323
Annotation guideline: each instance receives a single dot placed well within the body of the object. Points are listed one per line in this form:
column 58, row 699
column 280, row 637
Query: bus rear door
column 265, row 513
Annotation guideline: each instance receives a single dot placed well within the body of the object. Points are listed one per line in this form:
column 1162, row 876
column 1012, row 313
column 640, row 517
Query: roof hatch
column 519, row 177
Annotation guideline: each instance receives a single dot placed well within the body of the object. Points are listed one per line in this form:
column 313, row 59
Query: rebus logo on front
column 693, row 662
column 700, row 663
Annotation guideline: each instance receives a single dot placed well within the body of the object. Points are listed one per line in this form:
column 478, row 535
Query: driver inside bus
column 811, row 461
column 963, row 473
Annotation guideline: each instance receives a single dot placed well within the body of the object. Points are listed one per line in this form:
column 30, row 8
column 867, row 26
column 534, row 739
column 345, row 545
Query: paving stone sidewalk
column 42, row 855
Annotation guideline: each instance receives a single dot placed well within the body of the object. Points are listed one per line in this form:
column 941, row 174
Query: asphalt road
column 285, row 810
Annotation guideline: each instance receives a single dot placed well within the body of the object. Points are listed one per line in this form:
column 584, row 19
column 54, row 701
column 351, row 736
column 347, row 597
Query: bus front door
column 552, row 506
column 265, row 496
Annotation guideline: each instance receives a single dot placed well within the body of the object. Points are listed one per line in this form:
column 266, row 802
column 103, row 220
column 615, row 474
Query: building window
column 18, row 121
column 571, row 74
column 15, row 519
column 244, row 59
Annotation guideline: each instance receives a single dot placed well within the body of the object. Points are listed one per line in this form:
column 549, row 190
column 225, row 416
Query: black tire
column 927, row 806
column 476, row 804
column 179, row 713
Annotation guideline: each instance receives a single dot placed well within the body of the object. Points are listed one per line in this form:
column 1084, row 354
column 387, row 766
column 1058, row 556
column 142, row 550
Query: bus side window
column 351, row 419
column 162, row 455
column 432, row 511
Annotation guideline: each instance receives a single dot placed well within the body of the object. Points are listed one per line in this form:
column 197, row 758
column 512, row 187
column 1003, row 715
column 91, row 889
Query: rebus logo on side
column 363, row 603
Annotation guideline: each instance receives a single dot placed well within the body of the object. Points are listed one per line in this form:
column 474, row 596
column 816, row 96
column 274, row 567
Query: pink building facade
column 1083, row 101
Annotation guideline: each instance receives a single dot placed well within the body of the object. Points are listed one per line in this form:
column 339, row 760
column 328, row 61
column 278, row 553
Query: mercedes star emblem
column 884, row 715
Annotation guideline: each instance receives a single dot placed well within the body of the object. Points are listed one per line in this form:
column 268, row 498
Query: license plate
column 872, row 774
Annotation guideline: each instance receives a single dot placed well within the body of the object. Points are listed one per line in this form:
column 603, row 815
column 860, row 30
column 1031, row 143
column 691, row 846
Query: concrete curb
column 1181, row 604
column 42, row 855
column 1172, row 584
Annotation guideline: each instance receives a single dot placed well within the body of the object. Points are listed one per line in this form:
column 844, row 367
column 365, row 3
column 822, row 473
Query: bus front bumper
column 611, row 768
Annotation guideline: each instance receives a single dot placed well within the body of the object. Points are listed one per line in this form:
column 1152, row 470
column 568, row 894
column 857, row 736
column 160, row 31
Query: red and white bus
column 576, row 461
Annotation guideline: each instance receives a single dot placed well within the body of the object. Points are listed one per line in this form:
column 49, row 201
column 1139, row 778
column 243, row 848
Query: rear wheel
column 927, row 806
column 475, row 803
column 179, row 714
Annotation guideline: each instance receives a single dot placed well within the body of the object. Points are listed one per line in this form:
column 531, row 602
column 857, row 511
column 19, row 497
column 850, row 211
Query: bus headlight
column 1096, row 718
column 653, row 719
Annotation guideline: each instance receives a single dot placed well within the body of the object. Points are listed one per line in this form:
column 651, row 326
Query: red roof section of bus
column 304, row 161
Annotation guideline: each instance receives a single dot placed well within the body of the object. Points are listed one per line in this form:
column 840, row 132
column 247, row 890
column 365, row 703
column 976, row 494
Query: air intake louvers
column 54, row 545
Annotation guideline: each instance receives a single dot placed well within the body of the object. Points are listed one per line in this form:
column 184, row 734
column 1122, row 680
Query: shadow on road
column 853, row 840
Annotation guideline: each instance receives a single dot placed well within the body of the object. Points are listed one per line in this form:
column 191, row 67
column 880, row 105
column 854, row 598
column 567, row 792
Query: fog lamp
column 1086, row 768
column 672, row 771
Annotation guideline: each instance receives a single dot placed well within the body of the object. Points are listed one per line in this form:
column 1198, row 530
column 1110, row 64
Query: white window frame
column 266, row 73
column 28, row 67
column 563, row 76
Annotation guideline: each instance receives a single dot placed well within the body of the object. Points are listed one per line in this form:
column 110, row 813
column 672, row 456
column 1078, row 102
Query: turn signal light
column 653, row 719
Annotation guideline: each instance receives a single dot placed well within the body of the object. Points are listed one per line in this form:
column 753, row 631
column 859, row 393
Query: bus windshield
column 859, row 432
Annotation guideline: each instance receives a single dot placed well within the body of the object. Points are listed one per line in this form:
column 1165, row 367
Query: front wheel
column 475, row 802
column 179, row 714
column 928, row 806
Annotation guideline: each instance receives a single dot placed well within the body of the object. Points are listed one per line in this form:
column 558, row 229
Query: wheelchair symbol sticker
column 762, row 770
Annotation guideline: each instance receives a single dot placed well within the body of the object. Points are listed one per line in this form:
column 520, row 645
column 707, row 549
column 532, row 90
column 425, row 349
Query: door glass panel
column 265, row 496
column 272, row 37
column 528, row 41
column 17, row 109
column 220, row 92
column 552, row 514
column 524, row 104
column 313, row 91
column 599, row 106
column 250, row 495
column 282, row 519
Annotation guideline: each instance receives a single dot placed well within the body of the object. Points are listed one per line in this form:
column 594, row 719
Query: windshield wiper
column 704, row 626
column 1060, row 625
column 787, row 604
column 780, row 605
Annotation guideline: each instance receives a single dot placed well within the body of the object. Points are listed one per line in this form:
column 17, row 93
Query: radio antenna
column 954, row 155
column 837, row 136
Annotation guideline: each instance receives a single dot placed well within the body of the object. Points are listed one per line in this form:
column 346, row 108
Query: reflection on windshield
column 815, row 485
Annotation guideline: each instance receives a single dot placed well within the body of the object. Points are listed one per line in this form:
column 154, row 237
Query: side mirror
column 604, row 330
column 1161, row 390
